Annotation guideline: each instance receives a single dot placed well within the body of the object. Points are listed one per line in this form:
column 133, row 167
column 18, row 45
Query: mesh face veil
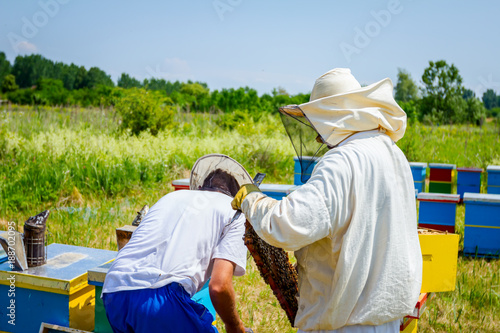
column 203, row 174
column 306, row 141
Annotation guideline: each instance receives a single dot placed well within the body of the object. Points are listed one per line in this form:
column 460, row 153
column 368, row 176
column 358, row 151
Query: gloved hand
column 242, row 193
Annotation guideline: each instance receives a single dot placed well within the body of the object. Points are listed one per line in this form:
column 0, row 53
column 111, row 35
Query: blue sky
column 261, row 44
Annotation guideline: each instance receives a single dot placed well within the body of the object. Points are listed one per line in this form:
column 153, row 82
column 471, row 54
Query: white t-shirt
column 177, row 242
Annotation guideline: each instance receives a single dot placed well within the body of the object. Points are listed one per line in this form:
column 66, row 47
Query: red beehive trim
column 440, row 175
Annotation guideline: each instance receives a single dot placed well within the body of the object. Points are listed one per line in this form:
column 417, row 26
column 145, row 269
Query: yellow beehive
column 439, row 254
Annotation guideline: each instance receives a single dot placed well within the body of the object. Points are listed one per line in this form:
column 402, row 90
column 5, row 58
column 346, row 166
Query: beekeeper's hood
column 204, row 171
column 340, row 107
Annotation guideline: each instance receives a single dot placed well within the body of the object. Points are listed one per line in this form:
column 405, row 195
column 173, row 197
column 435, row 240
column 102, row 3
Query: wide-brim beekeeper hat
column 340, row 107
column 205, row 165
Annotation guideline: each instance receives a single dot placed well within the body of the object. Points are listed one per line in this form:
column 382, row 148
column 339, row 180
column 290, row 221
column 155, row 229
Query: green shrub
column 143, row 110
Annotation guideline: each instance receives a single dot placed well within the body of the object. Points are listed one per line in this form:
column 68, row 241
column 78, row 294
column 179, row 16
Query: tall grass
column 94, row 178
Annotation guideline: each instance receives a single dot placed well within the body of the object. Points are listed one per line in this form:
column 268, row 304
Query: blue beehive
column 277, row 191
column 308, row 163
column 418, row 171
column 437, row 211
column 468, row 180
column 56, row 292
column 493, row 179
column 482, row 224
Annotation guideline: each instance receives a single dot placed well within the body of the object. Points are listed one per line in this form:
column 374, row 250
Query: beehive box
column 441, row 177
column 482, row 225
column 181, row 184
column 468, row 180
column 277, row 191
column 437, row 211
column 309, row 163
column 123, row 235
column 419, row 173
column 409, row 323
column 439, row 254
column 493, row 179
column 96, row 277
column 55, row 293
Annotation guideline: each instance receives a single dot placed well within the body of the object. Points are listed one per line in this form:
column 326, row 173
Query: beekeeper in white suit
column 353, row 224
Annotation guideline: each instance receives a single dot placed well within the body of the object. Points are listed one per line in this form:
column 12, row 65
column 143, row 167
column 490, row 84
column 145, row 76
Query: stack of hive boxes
column 468, row 180
column 437, row 211
column 493, row 179
column 441, row 177
column 418, row 171
column 482, row 225
column 307, row 163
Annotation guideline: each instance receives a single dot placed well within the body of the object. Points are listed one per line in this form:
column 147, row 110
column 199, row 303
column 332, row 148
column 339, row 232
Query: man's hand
column 222, row 295
column 242, row 193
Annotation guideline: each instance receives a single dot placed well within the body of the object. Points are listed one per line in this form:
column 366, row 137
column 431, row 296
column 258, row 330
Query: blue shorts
column 166, row 309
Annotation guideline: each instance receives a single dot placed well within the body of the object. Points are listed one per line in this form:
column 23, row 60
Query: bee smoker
column 34, row 239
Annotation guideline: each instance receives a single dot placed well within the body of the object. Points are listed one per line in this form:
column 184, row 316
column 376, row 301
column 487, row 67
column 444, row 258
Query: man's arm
column 223, row 296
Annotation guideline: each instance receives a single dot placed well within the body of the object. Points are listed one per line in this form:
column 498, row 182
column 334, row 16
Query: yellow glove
column 241, row 195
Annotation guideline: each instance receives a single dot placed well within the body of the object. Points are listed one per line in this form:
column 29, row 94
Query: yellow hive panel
column 439, row 254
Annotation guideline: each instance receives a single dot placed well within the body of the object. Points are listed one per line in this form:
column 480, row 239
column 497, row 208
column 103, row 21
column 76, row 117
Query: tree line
column 35, row 80
column 441, row 97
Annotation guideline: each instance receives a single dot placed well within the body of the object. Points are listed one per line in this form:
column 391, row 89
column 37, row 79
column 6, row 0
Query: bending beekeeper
column 353, row 224
column 183, row 241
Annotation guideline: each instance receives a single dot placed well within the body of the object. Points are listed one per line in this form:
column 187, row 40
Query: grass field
column 94, row 179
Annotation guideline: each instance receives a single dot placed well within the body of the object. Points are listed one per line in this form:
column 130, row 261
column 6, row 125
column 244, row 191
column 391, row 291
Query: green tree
column 9, row 84
column 443, row 92
column 490, row 99
column 126, row 81
column 96, row 77
column 194, row 95
column 143, row 110
column 476, row 112
column 5, row 67
column 406, row 89
column 50, row 92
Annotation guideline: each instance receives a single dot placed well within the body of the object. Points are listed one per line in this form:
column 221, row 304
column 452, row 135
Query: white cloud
column 26, row 47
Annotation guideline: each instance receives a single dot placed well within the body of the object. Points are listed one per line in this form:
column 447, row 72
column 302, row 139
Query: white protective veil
column 208, row 163
column 338, row 108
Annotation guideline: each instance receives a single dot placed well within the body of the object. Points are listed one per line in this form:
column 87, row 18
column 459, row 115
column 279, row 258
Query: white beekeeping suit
column 353, row 224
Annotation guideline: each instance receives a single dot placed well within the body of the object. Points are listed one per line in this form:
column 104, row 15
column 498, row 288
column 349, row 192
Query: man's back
column 177, row 241
column 368, row 266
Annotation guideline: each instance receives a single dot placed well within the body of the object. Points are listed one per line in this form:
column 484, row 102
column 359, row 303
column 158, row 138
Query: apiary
column 96, row 277
column 56, row 292
column 439, row 255
column 482, row 225
column 468, row 180
column 437, row 211
column 493, row 179
column 419, row 173
column 441, row 177
column 308, row 163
